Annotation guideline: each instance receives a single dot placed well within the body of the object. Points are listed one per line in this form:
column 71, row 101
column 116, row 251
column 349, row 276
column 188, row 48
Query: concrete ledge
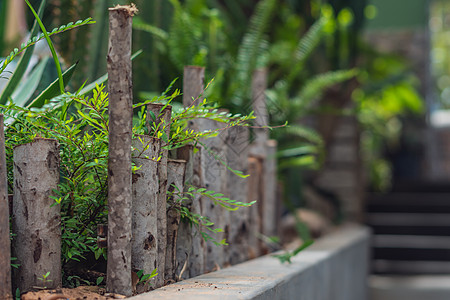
column 334, row 268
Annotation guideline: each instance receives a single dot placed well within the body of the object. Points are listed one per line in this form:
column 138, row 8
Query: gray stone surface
column 334, row 268
column 410, row 287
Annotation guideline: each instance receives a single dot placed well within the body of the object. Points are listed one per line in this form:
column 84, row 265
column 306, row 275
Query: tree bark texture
column 215, row 176
column 237, row 158
column 269, row 213
column 119, row 164
column 193, row 86
column 191, row 244
column 163, row 115
column 176, row 170
column 261, row 135
column 193, row 81
column 5, row 242
column 144, row 249
column 36, row 223
column 255, row 193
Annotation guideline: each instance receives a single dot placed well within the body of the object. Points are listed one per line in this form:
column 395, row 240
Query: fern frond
column 306, row 133
column 39, row 37
column 251, row 46
column 315, row 87
column 306, row 46
column 153, row 30
column 184, row 36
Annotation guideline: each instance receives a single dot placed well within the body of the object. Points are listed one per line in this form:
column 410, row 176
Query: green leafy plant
column 145, row 278
column 80, row 124
column 44, row 279
column 287, row 256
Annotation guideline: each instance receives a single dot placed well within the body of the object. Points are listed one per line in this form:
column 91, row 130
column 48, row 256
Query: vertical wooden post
column 193, row 85
column 119, row 164
column 255, row 193
column 144, row 249
column 175, row 184
column 265, row 150
column 5, row 244
column 215, row 175
column 36, row 223
column 261, row 135
column 237, row 158
column 189, row 236
column 163, row 114
column 193, row 80
column 214, row 172
column 269, row 213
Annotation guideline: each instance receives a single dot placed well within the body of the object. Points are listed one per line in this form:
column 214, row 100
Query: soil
column 79, row 293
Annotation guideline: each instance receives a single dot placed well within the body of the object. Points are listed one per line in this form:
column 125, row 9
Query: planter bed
column 335, row 267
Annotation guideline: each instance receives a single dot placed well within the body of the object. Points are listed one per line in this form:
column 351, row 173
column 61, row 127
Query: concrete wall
column 334, row 268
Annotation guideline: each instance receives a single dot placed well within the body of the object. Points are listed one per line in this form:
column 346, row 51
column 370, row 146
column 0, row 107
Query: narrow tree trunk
column 36, row 223
column 144, row 249
column 269, row 215
column 261, row 135
column 176, row 176
column 215, row 176
column 161, row 121
column 193, row 82
column 119, row 164
column 237, row 159
column 259, row 150
column 5, row 244
column 255, row 193
column 191, row 244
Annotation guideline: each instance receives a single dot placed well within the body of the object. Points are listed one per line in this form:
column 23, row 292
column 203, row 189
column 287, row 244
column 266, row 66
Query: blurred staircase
column 411, row 227
column 411, row 241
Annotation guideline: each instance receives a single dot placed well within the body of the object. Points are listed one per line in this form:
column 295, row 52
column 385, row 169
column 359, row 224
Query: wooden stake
column 193, row 80
column 255, row 193
column 144, row 249
column 175, row 176
column 162, row 115
column 191, row 244
column 261, row 135
column 269, row 213
column 215, row 176
column 5, row 244
column 193, row 86
column 119, row 164
column 237, row 159
column 36, row 221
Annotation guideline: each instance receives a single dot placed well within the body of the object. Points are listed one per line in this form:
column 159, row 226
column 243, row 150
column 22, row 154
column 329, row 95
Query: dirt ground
column 79, row 293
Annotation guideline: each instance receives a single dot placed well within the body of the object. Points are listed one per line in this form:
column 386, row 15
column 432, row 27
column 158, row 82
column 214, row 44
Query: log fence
column 145, row 230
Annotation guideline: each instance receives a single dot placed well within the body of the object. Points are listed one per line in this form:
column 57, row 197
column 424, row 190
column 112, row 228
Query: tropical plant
column 80, row 124
column 18, row 89
column 387, row 95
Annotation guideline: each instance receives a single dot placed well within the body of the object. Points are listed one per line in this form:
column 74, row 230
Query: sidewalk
column 421, row 287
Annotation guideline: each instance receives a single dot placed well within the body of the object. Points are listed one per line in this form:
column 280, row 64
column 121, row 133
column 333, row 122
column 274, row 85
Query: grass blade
column 50, row 45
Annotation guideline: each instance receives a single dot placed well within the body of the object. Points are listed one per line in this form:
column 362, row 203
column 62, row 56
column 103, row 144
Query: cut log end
column 131, row 10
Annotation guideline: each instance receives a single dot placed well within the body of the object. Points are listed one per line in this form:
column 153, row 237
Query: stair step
column 411, row 241
column 411, row 230
column 411, row 254
column 408, row 219
column 381, row 266
column 409, row 287
column 409, row 202
column 421, row 187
